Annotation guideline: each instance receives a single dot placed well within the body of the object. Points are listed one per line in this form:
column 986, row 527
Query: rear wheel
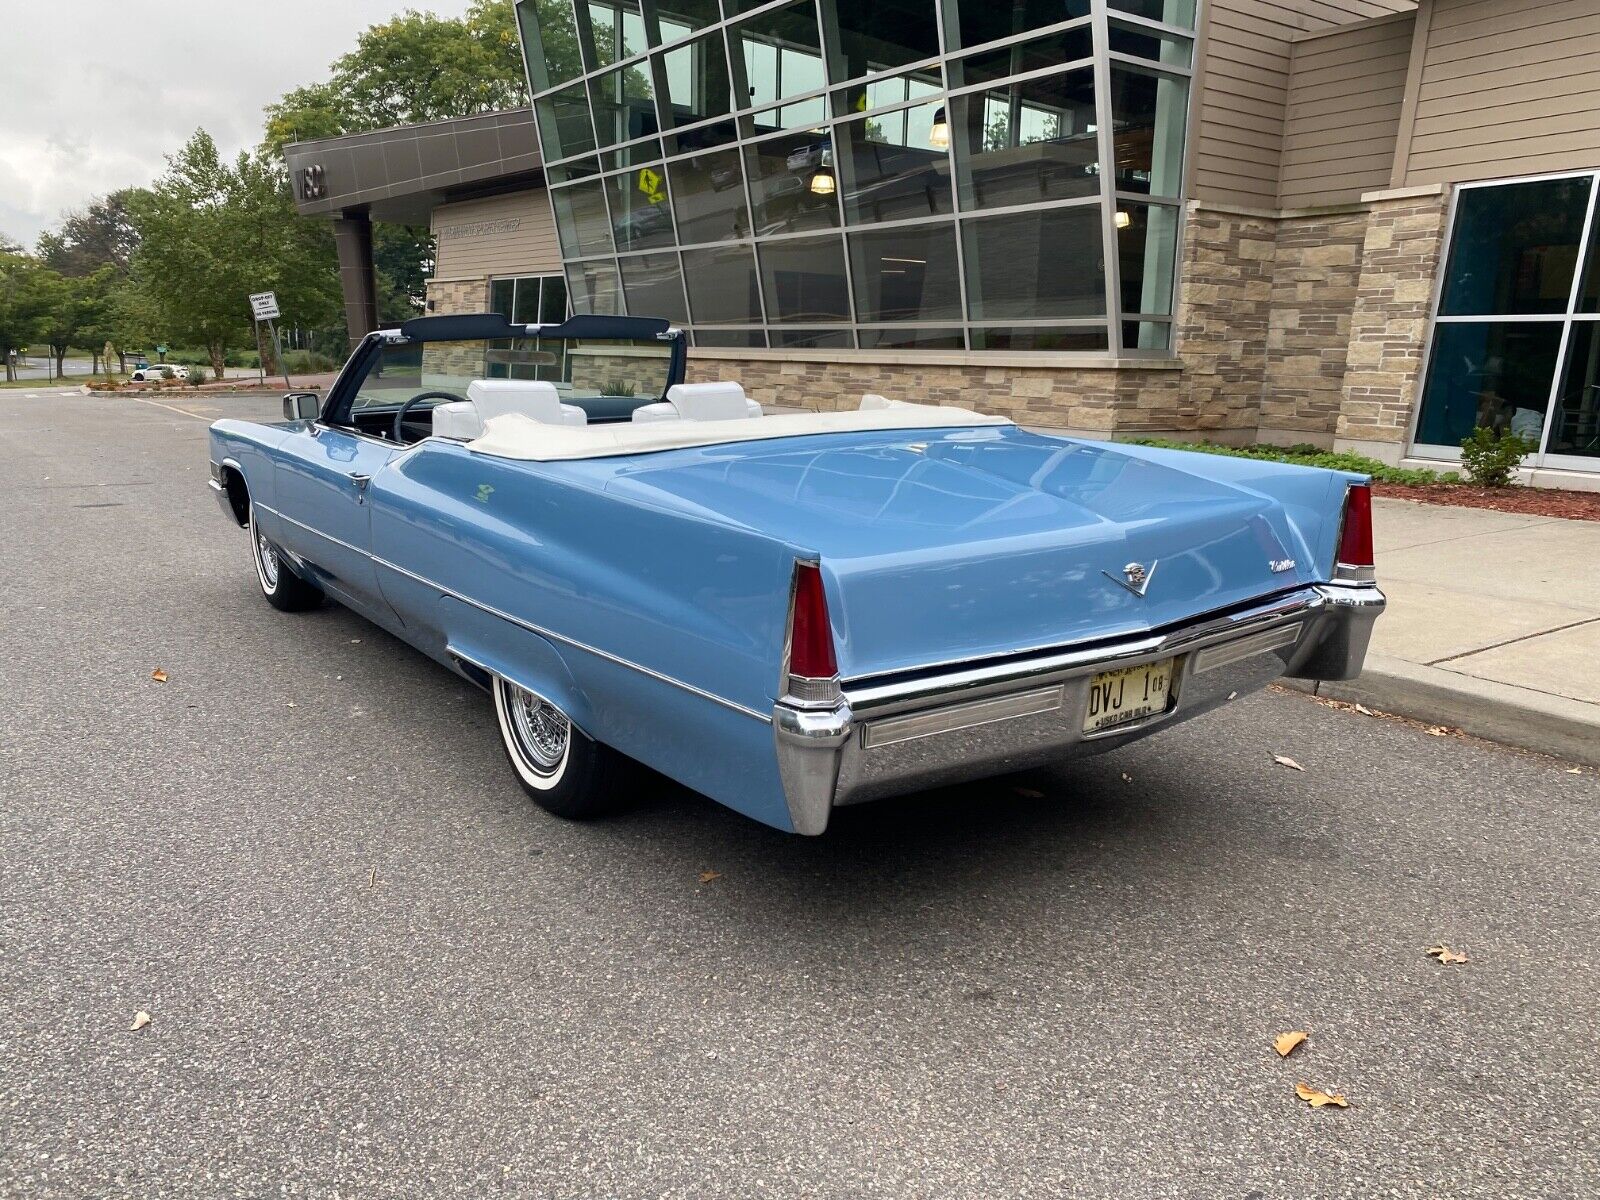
column 566, row 772
column 283, row 589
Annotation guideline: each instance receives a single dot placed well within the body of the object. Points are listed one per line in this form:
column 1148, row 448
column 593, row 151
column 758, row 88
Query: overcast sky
column 94, row 92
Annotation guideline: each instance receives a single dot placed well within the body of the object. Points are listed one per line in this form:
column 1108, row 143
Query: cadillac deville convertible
column 787, row 611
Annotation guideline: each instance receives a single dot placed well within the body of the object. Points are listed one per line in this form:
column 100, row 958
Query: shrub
column 197, row 376
column 1307, row 455
column 1492, row 460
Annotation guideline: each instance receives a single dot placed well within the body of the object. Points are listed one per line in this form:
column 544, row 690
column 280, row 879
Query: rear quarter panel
column 251, row 448
column 668, row 627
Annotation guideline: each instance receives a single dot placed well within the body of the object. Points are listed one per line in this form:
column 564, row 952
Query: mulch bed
column 1538, row 502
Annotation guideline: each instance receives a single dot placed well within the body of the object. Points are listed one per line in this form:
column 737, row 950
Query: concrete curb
column 1515, row 716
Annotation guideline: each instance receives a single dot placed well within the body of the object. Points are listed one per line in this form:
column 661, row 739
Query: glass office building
column 870, row 174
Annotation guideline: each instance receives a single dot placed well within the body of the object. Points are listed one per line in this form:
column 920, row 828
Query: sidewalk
column 1493, row 626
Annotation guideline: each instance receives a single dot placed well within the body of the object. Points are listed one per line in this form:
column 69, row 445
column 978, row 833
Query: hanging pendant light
column 939, row 135
column 822, row 181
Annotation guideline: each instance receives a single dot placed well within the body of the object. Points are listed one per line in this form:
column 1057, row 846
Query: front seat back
column 700, row 402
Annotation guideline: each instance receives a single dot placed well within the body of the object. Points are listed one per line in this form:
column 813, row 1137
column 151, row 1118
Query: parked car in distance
column 157, row 372
column 787, row 612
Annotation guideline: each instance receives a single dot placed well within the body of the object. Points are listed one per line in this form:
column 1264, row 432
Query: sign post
column 264, row 307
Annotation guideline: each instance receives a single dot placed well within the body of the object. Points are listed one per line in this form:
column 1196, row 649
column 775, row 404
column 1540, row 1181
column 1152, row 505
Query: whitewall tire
column 565, row 771
column 283, row 589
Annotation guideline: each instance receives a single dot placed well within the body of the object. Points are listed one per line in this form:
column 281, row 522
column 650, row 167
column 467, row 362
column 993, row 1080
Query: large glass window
column 886, row 175
column 1516, row 339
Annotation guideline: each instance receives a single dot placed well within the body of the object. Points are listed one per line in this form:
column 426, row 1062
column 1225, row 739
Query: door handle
column 360, row 480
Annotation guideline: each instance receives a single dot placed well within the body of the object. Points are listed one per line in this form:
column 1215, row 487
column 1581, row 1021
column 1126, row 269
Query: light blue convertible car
column 786, row 610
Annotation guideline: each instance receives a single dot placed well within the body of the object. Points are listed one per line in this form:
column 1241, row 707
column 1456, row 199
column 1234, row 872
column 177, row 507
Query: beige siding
column 1244, row 90
column 1506, row 87
column 501, row 235
column 1346, row 90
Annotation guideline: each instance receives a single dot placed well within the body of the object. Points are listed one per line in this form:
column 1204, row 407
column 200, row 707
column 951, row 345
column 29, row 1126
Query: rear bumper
column 904, row 734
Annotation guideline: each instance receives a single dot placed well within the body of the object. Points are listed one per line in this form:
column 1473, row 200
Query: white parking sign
column 264, row 305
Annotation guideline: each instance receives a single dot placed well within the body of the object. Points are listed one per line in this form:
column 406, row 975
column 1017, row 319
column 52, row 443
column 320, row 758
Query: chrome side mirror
column 302, row 406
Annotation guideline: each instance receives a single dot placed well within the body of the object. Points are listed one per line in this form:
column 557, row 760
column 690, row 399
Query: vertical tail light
column 812, row 673
column 1356, row 560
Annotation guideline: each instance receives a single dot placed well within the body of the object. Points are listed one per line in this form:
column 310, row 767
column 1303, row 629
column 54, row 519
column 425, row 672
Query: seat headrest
column 535, row 399
column 711, row 402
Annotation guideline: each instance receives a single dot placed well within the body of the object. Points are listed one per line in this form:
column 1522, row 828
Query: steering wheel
column 400, row 417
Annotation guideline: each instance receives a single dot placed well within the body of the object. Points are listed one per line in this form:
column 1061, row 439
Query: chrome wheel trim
column 538, row 734
column 268, row 566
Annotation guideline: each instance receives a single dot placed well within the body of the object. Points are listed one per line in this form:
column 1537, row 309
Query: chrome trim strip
column 734, row 705
column 970, row 715
column 1103, row 656
column 1246, row 647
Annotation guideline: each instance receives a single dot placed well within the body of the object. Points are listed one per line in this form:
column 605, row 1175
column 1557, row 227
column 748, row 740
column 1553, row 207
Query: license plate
column 1128, row 694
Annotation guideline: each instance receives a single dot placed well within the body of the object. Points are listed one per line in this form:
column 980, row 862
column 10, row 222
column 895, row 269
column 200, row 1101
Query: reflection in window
column 593, row 287
column 1171, row 12
column 564, row 128
column 888, row 171
column 737, row 339
column 813, row 339
column 1491, row 374
column 1147, row 251
column 1028, row 142
column 616, row 32
column 1575, row 424
column 1036, row 264
column 906, row 274
column 722, row 286
column 1514, row 249
column 1056, row 49
column 653, row 285
column 624, row 105
column 502, row 295
column 793, row 183
column 780, row 54
column 903, row 338
column 1147, row 335
column 1041, row 337
column 880, row 35
column 708, row 197
column 1168, row 49
column 980, row 21
column 679, row 18
column 641, row 213
column 697, row 80
column 550, row 39
column 581, row 219
column 1150, row 111
column 804, row 281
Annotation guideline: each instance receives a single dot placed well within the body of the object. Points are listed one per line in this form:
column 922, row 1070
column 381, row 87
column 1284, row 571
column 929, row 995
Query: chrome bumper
column 901, row 735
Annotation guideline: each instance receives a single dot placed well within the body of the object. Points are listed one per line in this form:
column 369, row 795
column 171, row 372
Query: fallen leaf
column 158, row 675
column 1126, row 778
column 1285, row 1043
column 1233, row 695
column 1440, row 730
column 1319, row 1099
column 708, row 876
column 1030, row 793
column 1446, row 955
column 140, row 1020
column 1574, row 770
column 1363, row 710
column 1284, row 760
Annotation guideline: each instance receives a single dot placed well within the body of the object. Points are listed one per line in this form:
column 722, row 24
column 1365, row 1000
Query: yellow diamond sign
column 650, row 185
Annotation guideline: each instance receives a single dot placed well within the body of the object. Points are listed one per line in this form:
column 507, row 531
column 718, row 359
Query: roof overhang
column 402, row 174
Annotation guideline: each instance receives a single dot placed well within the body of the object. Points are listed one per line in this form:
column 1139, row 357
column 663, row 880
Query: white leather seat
column 536, row 399
column 872, row 402
column 700, row 402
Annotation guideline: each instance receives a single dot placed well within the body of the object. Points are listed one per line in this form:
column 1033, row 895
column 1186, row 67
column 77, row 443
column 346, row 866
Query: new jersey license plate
column 1128, row 694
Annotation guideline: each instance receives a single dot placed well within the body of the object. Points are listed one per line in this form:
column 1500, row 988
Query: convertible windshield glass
column 634, row 371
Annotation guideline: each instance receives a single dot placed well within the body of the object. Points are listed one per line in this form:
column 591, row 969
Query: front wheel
column 283, row 589
column 566, row 772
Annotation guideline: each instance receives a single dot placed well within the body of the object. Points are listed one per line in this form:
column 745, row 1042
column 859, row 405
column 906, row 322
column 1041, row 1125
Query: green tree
column 23, row 299
column 212, row 232
column 99, row 235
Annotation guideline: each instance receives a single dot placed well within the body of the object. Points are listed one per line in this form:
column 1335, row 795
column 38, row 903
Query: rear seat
column 700, row 402
column 538, row 400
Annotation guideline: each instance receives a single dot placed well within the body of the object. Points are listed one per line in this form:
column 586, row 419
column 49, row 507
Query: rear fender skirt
column 480, row 643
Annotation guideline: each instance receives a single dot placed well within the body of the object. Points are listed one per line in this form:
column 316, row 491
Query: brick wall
column 1315, row 278
column 1389, row 327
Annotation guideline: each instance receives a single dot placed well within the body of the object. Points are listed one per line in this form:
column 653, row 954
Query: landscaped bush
column 197, row 376
column 1492, row 460
column 1307, row 455
column 308, row 362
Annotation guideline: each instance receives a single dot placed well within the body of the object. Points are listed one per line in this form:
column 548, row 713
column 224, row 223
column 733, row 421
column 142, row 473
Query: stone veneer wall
column 457, row 296
column 1315, row 280
column 1389, row 329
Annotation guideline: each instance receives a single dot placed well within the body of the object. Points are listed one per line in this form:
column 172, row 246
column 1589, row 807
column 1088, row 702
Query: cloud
column 95, row 93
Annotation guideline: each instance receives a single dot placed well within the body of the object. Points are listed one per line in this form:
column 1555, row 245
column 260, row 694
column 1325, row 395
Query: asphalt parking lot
column 374, row 969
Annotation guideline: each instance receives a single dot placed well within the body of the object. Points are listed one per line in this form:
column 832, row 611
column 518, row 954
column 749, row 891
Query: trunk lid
column 953, row 546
